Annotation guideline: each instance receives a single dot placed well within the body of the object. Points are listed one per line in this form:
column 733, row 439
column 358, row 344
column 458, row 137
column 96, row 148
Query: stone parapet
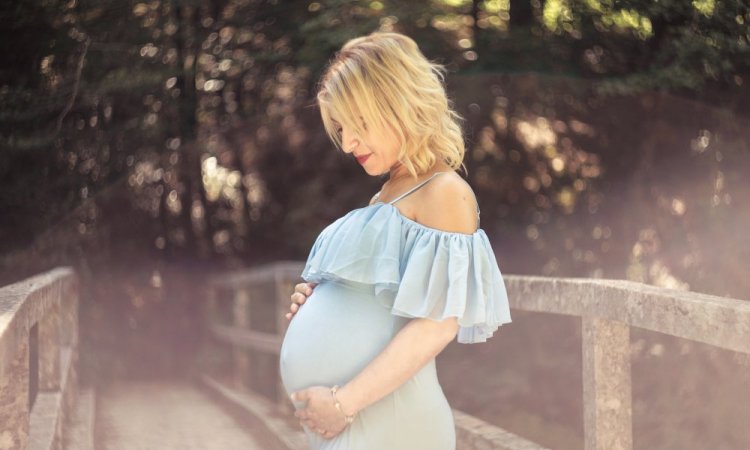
column 607, row 308
column 38, row 356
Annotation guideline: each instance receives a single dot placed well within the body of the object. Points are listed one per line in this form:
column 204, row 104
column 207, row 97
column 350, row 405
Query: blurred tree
column 156, row 94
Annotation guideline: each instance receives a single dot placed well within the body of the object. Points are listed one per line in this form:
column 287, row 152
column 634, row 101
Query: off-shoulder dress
column 376, row 269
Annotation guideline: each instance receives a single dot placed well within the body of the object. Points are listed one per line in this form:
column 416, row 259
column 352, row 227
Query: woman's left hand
column 320, row 414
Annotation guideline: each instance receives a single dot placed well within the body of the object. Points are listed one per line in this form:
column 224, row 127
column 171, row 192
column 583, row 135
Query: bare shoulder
column 448, row 203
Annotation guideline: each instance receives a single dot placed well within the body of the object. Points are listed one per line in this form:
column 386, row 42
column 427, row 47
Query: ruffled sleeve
column 416, row 271
column 451, row 275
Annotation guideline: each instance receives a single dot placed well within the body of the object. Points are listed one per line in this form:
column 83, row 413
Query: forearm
column 415, row 345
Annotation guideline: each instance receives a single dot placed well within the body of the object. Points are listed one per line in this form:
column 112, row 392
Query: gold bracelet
column 349, row 419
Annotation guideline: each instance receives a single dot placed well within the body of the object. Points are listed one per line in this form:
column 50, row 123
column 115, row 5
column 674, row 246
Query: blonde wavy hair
column 384, row 79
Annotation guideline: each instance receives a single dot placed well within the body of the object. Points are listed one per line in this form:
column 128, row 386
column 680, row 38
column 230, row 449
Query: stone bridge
column 231, row 405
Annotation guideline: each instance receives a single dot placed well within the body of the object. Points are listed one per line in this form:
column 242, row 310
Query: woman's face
column 376, row 152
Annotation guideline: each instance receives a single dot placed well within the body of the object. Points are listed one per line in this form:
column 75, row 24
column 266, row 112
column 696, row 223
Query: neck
column 398, row 171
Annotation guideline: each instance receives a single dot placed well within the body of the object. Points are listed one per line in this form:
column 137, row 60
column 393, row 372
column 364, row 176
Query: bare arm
column 414, row 345
column 409, row 351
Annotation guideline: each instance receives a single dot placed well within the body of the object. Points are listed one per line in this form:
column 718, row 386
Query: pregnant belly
column 333, row 336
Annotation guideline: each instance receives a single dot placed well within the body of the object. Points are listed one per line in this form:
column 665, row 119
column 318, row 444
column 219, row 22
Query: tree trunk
column 475, row 25
column 521, row 14
column 189, row 163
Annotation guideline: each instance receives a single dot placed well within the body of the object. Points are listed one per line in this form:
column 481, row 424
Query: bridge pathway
column 166, row 415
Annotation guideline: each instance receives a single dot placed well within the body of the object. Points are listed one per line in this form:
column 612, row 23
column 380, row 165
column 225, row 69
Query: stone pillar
column 49, row 347
column 213, row 352
column 69, row 303
column 241, row 319
column 607, row 398
column 14, row 400
column 69, row 314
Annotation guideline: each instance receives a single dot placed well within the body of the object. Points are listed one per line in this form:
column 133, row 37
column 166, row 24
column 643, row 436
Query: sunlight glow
column 535, row 133
column 705, row 7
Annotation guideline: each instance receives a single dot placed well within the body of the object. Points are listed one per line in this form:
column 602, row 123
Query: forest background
column 151, row 144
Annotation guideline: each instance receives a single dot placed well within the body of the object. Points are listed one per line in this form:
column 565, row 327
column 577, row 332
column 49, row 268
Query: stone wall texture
column 49, row 302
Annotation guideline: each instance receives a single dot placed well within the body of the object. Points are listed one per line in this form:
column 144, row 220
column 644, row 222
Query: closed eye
column 337, row 127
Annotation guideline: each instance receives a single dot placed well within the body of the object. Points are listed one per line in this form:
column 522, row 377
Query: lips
column 362, row 159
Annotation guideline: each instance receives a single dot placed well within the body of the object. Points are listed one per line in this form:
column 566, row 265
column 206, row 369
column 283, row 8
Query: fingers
column 296, row 302
column 332, row 434
column 305, row 288
column 305, row 416
column 313, row 426
column 298, row 299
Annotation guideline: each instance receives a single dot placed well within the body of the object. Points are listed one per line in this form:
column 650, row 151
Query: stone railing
column 608, row 309
column 246, row 314
column 38, row 354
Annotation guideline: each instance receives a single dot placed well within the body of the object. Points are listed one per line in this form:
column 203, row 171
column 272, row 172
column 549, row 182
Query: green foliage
column 104, row 85
column 641, row 45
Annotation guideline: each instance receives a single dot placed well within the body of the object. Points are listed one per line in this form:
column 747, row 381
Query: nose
column 348, row 140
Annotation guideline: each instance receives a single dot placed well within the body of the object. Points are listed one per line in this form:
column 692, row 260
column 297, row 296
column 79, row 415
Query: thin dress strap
column 414, row 188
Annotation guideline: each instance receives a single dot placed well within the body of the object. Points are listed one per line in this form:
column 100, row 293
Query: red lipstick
column 362, row 159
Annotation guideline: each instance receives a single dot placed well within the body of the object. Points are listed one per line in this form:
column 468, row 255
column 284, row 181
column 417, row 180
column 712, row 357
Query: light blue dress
column 376, row 270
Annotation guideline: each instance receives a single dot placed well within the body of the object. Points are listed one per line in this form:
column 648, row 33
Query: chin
column 373, row 172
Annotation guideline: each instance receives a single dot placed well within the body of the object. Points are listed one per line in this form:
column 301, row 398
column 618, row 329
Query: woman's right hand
column 301, row 292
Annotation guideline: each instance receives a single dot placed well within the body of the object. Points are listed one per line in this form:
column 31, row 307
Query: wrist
column 347, row 400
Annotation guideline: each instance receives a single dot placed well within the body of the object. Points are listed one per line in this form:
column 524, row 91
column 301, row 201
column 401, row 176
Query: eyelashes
column 339, row 129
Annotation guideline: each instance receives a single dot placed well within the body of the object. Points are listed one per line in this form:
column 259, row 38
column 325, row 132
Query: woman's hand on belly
column 301, row 292
column 320, row 413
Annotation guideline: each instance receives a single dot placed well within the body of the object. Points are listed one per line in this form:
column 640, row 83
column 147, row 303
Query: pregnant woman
column 391, row 284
